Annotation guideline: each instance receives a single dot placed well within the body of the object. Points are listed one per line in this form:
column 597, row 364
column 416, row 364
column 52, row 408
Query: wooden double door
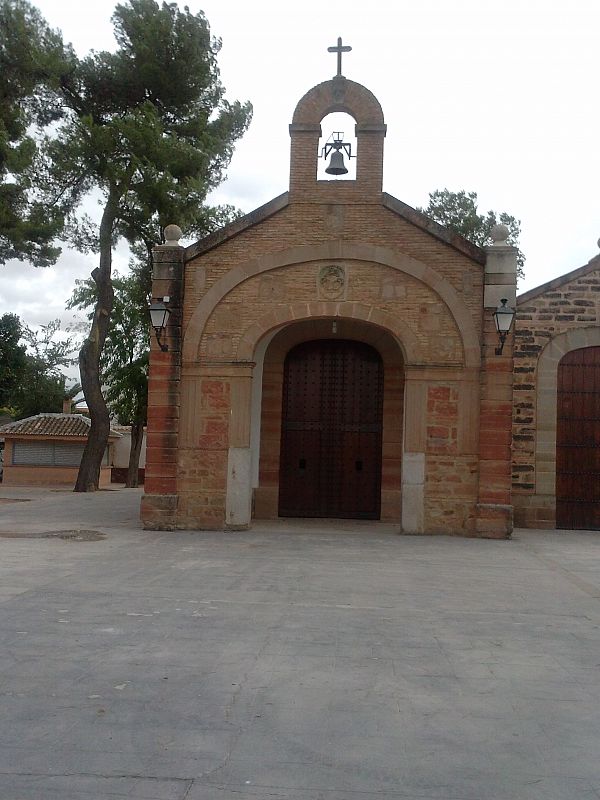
column 332, row 422
column 578, row 440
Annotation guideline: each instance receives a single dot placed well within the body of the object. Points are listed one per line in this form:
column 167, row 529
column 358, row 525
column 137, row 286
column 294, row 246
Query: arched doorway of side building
column 578, row 440
column 567, row 435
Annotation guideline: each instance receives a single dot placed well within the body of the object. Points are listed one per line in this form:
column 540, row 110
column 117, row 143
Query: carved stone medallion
column 331, row 282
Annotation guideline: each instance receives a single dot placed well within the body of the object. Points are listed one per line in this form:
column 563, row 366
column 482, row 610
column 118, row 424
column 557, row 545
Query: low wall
column 47, row 476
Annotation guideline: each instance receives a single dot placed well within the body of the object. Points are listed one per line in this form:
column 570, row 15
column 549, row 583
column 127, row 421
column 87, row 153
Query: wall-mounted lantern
column 159, row 317
column 503, row 317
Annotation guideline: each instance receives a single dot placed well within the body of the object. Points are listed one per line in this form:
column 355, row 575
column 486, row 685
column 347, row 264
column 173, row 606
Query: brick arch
column 338, row 95
column 547, row 379
column 297, row 312
column 335, row 250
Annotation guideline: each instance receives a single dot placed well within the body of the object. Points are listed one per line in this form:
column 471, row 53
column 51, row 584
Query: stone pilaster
column 494, row 509
column 214, row 479
column 160, row 501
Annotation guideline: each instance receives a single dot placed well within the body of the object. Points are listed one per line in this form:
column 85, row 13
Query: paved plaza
column 296, row 661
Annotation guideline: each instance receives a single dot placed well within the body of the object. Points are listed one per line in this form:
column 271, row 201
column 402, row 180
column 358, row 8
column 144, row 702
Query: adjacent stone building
column 556, row 418
column 332, row 354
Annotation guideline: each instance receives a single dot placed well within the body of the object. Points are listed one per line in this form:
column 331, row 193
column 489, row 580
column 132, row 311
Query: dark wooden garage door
column 578, row 440
column 330, row 464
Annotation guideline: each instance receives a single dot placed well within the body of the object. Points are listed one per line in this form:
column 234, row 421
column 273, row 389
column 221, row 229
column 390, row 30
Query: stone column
column 303, row 157
column 214, row 488
column 413, row 461
column 160, row 501
column 494, row 509
column 369, row 147
column 238, row 506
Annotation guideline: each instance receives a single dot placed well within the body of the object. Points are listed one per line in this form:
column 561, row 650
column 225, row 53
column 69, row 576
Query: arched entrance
column 331, row 436
column 578, row 440
column 268, row 410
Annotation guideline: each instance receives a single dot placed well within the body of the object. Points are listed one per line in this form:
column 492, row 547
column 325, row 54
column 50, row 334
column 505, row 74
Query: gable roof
column 237, row 226
column 51, row 425
column 556, row 283
column 421, row 220
column 416, row 218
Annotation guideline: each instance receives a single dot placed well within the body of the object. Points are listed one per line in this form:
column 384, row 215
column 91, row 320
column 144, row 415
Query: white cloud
column 498, row 100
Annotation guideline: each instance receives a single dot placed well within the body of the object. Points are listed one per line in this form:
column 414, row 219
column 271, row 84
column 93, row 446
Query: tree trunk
column 89, row 357
column 133, row 469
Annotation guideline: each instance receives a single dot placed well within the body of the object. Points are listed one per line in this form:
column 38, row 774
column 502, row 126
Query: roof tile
column 51, row 425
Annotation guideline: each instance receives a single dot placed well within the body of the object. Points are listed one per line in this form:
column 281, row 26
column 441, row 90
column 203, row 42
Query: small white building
column 120, row 455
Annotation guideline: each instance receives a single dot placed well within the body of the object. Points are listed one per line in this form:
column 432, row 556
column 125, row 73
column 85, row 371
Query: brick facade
column 421, row 296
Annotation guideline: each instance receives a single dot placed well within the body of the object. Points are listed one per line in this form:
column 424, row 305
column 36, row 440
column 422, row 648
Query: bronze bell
column 336, row 164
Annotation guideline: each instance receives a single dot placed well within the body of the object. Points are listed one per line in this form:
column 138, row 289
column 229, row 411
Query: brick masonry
column 401, row 283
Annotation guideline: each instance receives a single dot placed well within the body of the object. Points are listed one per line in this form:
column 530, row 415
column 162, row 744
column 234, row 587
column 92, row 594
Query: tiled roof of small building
column 123, row 429
column 50, row 425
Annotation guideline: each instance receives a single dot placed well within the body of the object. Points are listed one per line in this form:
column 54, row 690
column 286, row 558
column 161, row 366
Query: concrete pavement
column 298, row 661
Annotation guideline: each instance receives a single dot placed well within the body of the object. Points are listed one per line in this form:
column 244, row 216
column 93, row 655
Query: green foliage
column 149, row 127
column 33, row 62
column 12, row 358
column 32, row 381
column 125, row 356
column 44, row 386
column 148, row 124
column 458, row 212
column 124, row 363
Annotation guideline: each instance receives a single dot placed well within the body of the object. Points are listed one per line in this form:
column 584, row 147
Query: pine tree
column 148, row 127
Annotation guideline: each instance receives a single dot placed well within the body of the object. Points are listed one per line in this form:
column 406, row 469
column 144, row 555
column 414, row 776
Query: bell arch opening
column 337, row 153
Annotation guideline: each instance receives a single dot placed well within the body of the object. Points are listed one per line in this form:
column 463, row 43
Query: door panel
column 578, row 440
column 331, row 431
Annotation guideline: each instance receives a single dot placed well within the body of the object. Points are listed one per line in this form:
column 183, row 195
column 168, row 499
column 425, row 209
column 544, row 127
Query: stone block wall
column 561, row 315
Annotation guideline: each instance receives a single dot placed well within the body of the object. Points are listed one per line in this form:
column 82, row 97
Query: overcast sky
column 500, row 99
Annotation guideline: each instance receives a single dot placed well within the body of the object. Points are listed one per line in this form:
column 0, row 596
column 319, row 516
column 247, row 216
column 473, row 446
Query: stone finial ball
column 173, row 234
column 598, row 242
column 499, row 233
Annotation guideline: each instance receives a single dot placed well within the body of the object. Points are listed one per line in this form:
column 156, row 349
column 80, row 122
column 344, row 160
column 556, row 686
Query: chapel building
column 332, row 354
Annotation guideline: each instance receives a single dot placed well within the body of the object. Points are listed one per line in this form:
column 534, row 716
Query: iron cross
column 339, row 50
